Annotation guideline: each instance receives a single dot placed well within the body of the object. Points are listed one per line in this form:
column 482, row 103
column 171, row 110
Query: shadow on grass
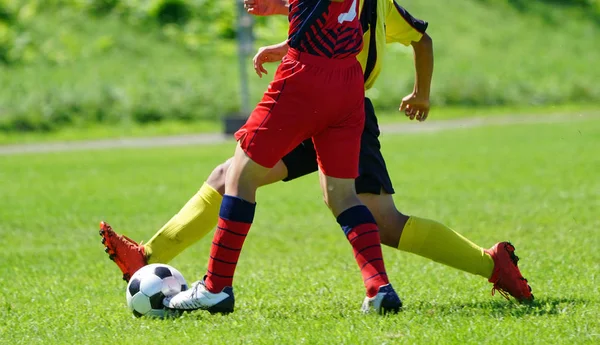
column 497, row 308
column 546, row 306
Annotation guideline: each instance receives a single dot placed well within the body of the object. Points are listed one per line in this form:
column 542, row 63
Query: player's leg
column 362, row 233
column 337, row 173
column 214, row 292
column 235, row 219
column 199, row 216
column 217, row 177
column 436, row 241
column 426, row 237
column 274, row 128
column 194, row 221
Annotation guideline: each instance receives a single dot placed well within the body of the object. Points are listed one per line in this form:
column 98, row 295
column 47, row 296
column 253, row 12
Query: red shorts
column 309, row 97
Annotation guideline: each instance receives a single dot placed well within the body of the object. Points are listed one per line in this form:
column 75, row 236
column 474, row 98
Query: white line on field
column 216, row 138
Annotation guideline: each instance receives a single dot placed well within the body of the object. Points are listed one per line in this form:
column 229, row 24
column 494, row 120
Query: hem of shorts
column 253, row 158
column 375, row 190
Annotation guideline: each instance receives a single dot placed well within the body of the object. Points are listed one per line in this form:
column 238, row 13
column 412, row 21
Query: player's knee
column 338, row 193
column 340, row 200
column 218, row 176
column 390, row 227
column 389, row 220
column 333, row 204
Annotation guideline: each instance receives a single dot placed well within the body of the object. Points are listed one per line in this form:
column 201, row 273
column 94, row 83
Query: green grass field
column 536, row 185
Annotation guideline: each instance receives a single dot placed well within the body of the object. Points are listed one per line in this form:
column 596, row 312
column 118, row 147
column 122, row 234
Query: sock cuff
column 355, row 216
column 209, row 193
column 237, row 209
column 411, row 240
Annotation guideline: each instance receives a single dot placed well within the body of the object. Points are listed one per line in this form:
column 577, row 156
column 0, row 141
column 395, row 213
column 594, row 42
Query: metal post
column 245, row 48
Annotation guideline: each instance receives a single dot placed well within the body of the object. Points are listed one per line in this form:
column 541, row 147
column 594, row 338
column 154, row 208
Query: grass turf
column 535, row 185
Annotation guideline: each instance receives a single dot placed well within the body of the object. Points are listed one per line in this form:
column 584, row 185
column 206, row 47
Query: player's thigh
column 244, row 176
column 278, row 123
column 278, row 173
column 338, row 146
column 218, row 176
column 216, row 179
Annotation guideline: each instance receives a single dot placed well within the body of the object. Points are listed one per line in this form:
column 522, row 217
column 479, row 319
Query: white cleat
column 198, row 297
column 386, row 301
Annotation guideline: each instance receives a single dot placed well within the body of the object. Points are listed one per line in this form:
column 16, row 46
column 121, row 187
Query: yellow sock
column 439, row 243
column 196, row 219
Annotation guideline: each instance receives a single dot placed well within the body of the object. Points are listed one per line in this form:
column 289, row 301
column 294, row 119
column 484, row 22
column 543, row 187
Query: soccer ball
column 149, row 286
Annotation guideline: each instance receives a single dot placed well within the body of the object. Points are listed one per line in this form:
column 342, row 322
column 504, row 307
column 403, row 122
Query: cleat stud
column 106, row 250
column 103, row 240
column 100, row 232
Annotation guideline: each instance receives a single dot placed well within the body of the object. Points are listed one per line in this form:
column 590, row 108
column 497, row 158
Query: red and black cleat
column 126, row 253
column 507, row 277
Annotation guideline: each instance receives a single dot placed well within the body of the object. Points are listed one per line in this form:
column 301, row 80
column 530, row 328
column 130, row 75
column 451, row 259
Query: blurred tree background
column 70, row 63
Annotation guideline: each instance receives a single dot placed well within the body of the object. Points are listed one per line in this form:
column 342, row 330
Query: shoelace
column 194, row 291
column 515, row 260
column 131, row 243
column 196, row 286
column 502, row 292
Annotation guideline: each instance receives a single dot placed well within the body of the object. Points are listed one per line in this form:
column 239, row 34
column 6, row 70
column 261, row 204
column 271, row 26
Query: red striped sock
column 235, row 219
column 363, row 234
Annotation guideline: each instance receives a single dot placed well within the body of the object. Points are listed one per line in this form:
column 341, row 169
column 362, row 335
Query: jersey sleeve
column 401, row 27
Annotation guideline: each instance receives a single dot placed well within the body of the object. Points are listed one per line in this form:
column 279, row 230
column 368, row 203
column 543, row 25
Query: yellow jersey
column 384, row 21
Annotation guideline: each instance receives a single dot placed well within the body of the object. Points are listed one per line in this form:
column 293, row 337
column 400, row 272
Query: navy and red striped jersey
column 325, row 28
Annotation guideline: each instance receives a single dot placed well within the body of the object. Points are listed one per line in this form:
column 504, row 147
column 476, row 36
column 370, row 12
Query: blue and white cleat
column 198, row 297
column 386, row 301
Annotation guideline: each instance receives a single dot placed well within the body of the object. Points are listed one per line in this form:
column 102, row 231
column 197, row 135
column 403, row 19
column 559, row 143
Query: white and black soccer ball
column 149, row 286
